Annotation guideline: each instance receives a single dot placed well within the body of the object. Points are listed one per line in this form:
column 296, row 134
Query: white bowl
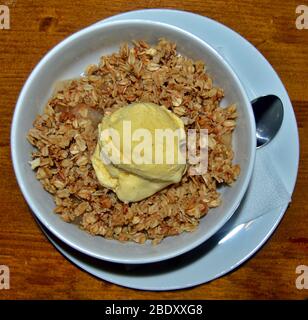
column 68, row 60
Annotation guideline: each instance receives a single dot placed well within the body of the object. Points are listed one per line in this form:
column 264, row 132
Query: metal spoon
column 268, row 112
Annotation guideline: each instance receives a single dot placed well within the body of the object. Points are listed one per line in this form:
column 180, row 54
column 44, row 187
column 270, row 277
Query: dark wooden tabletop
column 37, row 269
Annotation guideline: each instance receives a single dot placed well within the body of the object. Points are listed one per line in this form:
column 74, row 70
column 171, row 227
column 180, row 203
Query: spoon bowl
column 268, row 112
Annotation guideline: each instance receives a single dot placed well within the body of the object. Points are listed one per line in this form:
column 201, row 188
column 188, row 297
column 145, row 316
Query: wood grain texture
column 37, row 269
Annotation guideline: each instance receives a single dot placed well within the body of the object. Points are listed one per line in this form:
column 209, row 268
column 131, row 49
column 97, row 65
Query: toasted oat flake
column 65, row 136
column 35, row 163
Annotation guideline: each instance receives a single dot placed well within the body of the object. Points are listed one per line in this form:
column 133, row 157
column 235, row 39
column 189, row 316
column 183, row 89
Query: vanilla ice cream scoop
column 139, row 151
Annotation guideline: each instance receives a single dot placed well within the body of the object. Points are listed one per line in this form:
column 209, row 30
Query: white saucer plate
column 226, row 250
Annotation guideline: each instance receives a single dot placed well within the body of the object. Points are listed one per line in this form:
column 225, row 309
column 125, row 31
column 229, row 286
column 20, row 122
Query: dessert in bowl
column 156, row 76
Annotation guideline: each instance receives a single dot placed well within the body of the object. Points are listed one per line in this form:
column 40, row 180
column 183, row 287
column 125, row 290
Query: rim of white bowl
column 23, row 184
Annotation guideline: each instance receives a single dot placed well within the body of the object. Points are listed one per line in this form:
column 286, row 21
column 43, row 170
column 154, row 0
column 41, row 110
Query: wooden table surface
column 38, row 270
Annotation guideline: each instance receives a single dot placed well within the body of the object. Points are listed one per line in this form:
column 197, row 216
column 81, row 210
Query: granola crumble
column 65, row 136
